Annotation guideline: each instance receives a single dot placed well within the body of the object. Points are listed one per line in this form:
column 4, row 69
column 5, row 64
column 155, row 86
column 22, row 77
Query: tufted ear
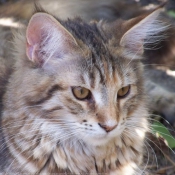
column 47, row 39
column 146, row 30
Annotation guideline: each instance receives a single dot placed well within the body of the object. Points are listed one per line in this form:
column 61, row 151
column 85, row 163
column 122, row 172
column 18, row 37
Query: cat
column 161, row 98
column 75, row 101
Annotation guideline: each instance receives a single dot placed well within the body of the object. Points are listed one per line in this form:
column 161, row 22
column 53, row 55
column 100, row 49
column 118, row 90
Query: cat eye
column 81, row 93
column 123, row 92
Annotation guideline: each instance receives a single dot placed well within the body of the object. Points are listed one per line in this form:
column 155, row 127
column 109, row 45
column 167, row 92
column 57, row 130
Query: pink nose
column 107, row 128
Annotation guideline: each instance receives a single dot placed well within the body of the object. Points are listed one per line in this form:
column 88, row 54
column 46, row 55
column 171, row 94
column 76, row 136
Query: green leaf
column 159, row 129
column 171, row 13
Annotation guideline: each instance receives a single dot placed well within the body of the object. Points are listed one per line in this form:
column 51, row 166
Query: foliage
column 171, row 13
column 161, row 131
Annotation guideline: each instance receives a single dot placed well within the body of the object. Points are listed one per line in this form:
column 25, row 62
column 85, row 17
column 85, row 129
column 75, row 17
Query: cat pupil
column 82, row 91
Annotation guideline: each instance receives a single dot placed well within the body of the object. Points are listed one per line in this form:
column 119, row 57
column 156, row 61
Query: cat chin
column 100, row 140
column 97, row 142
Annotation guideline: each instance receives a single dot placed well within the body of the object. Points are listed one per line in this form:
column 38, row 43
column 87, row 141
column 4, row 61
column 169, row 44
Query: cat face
column 80, row 82
column 92, row 104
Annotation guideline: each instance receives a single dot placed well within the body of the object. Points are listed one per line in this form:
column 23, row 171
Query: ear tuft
column 47, row 39
column 147, row 31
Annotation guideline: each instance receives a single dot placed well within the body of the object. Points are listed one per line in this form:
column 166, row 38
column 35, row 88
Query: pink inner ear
column 29, row 51
column 33, row 35
column 34, row 29
column 47, row 38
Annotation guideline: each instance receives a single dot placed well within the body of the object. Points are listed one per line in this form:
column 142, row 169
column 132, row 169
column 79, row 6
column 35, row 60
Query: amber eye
column 81, row 93
column 123, row 92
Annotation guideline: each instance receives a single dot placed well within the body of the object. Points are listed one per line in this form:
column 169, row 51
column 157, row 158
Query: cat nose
column 107, row 128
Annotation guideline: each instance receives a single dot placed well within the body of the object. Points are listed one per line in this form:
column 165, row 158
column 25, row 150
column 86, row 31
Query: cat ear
column 47, row 39
column 145, row 31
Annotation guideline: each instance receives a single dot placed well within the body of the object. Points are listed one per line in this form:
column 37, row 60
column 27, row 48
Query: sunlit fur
column 47, row 130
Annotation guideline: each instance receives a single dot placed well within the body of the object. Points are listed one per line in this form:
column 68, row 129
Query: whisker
column 151, row 130
column 154, row 143
column 154, row 153
column 58, row 120
column 29, row 131
column 40, row 147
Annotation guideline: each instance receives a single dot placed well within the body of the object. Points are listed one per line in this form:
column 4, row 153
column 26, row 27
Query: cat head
column 81, row 81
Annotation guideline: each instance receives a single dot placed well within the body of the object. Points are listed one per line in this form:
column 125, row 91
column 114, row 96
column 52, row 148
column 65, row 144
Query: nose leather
column 107, row 128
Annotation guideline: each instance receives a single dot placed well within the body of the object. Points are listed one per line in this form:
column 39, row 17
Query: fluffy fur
column 46, row 129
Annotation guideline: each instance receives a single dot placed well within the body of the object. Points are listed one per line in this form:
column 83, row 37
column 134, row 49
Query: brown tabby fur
column 37, row 105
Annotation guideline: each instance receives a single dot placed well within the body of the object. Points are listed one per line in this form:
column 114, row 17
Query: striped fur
column 47, row 130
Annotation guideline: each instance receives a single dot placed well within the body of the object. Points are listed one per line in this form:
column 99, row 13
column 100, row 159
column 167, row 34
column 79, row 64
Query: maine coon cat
column 75, row 102
column 160, row 85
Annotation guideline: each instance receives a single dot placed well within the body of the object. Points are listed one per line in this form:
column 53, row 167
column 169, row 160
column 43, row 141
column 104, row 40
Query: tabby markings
column 49, row 94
